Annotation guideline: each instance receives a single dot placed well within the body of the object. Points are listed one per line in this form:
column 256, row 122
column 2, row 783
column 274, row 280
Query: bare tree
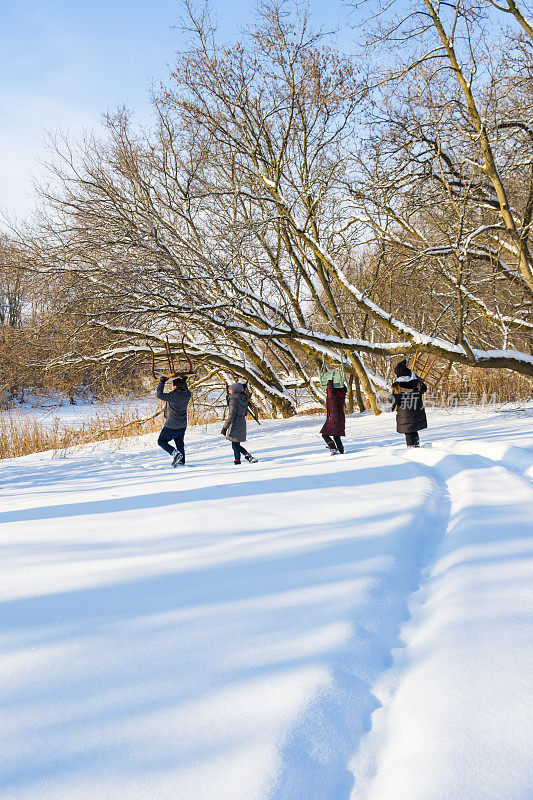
column 260, row 219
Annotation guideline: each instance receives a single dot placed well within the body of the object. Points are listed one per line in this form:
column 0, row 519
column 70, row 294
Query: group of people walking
column 407, row 400
column 176, row 403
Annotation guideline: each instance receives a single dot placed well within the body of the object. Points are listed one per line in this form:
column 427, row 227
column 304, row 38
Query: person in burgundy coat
column 335, row 424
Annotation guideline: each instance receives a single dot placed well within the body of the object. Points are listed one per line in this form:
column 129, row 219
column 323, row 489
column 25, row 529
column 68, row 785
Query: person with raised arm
column 176, row 403
column 335, row 424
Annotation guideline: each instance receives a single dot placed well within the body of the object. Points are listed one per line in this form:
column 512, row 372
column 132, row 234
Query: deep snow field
column 306, row 628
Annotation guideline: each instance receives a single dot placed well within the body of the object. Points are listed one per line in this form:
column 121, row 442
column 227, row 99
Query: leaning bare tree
column 290, row 205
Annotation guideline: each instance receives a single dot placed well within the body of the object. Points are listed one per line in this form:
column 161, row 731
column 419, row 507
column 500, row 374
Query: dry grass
column 22, row 434
column 471, row 386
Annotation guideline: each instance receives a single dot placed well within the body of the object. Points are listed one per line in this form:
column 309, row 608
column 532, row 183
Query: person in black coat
column 407, row 391
column 334, row 426
column 176, row 403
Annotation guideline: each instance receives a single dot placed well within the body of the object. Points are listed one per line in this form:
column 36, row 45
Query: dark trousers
column 412, row 439
column 336, row 440
column 167, row 435
column 237, row 450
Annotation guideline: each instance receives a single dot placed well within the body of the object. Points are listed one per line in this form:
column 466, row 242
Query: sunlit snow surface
column 304, row 628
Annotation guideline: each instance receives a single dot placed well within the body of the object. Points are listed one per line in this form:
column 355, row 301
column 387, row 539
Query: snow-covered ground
column 305, row 628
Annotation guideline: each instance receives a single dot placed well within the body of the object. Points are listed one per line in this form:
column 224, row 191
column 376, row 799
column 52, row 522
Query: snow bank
column 306, row 627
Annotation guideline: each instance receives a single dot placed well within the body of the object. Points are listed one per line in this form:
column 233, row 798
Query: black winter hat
column 180, row 382
column 402, row 369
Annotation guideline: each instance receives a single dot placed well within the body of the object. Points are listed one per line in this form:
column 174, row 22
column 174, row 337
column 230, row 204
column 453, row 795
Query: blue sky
column 65, row 62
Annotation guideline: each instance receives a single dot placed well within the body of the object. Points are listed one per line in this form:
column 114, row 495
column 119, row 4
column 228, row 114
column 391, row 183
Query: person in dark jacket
column 235, row 424
column 407, row 391
column 176, row 403
column 335, row 424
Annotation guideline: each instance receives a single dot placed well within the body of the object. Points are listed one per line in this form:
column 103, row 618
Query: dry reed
column 21, row 434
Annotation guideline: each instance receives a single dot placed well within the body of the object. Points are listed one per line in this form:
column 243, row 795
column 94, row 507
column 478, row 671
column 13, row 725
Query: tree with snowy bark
column 293, row 203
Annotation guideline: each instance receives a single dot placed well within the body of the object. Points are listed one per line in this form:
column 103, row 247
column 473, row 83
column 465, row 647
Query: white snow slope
column 305, row 628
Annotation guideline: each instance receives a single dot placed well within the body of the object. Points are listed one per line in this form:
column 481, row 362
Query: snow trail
column 456, row 715
column 316, row 760
column 278, row 631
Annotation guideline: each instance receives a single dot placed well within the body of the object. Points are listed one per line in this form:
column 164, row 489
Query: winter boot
column 177, row 459
column 413, row 439
column 249, row 457
column 334, row 451
column 237, row 462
